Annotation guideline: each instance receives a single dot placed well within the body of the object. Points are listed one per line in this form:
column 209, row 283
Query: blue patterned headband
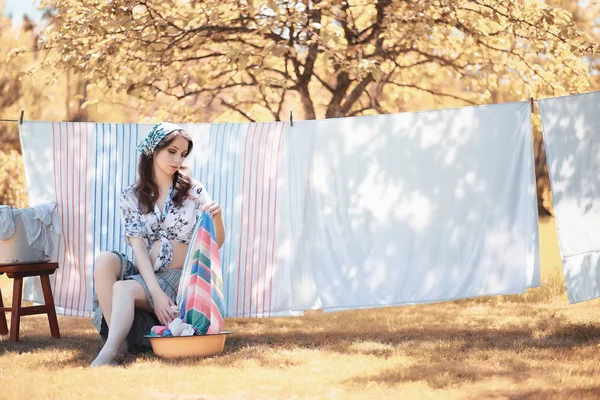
column 158, row 132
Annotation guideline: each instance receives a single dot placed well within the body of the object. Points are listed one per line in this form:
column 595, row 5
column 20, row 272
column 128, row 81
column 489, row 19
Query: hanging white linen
column 571, row 129
column 413, row 208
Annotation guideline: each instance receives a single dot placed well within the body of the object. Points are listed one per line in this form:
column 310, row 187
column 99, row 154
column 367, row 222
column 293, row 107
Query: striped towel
column 200, row 296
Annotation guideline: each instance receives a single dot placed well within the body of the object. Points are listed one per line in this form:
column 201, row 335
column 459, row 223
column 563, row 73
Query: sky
column 17, row 8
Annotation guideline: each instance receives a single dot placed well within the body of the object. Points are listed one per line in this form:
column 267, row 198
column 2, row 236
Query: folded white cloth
column 180, row 328
column 41, row 222
column 8, row 218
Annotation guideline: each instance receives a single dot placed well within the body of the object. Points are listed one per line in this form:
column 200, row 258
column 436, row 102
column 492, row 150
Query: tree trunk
column 307, row 103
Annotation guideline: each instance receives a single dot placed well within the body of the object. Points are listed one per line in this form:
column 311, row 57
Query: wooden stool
column 17, row 273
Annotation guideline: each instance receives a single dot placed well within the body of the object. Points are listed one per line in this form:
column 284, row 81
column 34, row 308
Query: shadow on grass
column 560, row 334
column 475, row 355
column 80, row 347
column 543, row 394
column 445, row 373
column 444, row 346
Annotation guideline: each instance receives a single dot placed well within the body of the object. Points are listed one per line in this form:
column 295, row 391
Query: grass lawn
column 533, row 346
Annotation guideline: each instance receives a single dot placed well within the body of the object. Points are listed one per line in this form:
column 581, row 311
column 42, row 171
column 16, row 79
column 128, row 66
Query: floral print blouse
column 178, row 223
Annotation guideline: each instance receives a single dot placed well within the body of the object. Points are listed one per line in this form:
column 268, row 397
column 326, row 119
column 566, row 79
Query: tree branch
column 339, row 92
column 377, row 26
column 513, row 19
column 236, row 109
column 355, row 94
column 432, row 92
column 325, row 84
column 280, row 105
column 313, row 51
column 520, row 57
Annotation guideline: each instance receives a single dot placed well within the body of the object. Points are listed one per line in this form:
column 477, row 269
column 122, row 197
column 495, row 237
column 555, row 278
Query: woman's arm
column 215, row 210
column 133, row 232
column 219, row 228
column 211, row 206
column 162, row 302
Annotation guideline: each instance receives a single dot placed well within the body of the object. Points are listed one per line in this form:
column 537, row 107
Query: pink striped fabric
column 84, row 166
column 71, row 284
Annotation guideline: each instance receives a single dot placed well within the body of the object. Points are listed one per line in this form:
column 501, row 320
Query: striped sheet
column 84, row 166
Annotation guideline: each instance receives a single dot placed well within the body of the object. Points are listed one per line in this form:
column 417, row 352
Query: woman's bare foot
column 105, row 357
column 123, row 350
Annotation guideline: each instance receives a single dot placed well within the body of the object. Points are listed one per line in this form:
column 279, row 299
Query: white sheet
column 571, row 128
column 413, row 208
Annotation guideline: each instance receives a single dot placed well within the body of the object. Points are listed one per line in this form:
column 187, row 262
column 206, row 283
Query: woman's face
column 168, row 160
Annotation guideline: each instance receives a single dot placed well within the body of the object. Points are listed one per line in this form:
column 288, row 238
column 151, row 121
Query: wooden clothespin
column 291, row 118
column 532, row 109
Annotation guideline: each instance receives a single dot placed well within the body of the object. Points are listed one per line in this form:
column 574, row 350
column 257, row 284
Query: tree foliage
column 53, row 93
column 328, row 58
column 13, row 188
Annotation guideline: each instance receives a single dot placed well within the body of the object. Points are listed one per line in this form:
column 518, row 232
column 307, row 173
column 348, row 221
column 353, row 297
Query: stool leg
column 3, row 324
column 16, row 309
column 49, row 301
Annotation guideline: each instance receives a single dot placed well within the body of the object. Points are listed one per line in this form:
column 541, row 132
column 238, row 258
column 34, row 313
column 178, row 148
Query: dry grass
column 534, row 346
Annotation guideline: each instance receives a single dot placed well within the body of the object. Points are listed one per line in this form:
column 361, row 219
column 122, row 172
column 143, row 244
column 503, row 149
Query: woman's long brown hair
column 146, row 189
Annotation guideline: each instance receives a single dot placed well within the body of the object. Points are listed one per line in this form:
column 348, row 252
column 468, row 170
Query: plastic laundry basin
column 189, row 346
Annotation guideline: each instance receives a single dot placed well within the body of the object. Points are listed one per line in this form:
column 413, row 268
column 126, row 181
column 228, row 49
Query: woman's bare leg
column 127, row 296
column 107, row 272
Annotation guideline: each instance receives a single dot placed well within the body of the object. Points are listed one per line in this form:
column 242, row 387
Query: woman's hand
column 162, row 307
column 213, row 209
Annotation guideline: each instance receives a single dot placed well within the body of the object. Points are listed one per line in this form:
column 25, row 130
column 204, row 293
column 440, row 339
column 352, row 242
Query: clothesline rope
column 20, row 120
